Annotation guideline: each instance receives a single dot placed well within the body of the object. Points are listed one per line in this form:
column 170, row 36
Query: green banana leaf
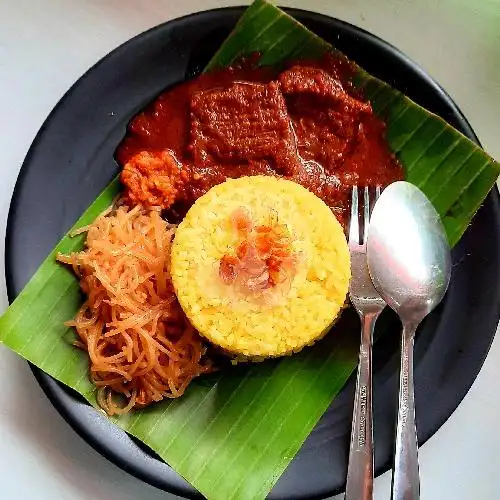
column 232, row 435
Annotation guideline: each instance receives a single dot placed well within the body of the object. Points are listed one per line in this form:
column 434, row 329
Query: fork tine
column 366, row 214
column 377, row 193
column 354, row 220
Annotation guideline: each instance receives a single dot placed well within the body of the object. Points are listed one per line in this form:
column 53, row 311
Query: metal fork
column 368, row 304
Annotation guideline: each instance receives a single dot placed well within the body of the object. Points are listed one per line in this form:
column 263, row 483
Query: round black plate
column 71, row 160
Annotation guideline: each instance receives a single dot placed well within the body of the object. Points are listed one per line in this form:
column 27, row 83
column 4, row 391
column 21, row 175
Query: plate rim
column 45, row 380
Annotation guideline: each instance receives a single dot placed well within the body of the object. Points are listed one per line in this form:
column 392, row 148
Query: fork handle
column 359, row 485
column 405, row 475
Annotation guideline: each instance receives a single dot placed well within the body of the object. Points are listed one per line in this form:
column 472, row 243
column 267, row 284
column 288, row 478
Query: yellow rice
column 237, row 324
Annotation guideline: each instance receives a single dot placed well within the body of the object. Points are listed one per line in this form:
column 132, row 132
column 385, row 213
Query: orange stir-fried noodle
column 140, row 344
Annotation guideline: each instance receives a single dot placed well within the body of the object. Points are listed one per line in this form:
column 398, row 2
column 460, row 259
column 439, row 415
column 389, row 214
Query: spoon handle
column 359, row 484
column 405, row 475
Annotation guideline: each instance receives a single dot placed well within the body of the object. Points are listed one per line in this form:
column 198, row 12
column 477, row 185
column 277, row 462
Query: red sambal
column 304, row 123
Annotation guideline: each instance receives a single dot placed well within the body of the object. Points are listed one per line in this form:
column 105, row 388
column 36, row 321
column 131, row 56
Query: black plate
column 71, row 160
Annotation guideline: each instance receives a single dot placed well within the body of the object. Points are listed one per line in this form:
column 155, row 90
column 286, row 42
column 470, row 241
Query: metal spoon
column 410, row 265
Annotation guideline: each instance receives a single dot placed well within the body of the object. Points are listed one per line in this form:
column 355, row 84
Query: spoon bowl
column 408, row 251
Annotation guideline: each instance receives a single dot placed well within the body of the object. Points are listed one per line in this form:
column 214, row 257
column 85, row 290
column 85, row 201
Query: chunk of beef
column 315, row 81
column 243, row 123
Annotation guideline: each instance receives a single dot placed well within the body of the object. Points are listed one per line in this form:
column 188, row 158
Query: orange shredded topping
column 263, row 257
column 140, row 344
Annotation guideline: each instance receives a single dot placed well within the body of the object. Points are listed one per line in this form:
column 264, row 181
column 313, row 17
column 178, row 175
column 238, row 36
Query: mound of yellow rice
column 238, row 324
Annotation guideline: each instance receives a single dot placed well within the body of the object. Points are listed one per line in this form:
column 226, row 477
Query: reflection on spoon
column 410, row 265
